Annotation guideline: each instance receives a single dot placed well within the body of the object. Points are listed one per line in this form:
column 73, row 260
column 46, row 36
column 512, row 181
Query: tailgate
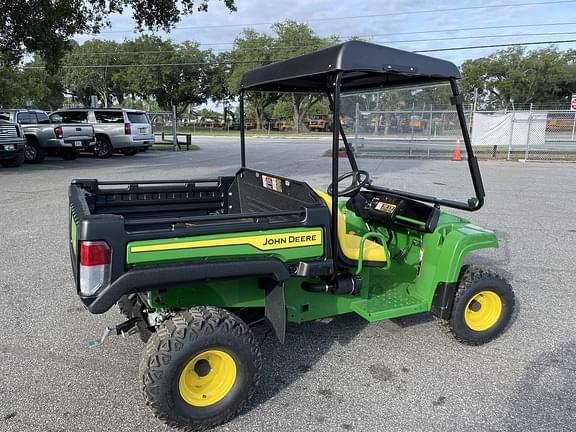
column 86, row 225
column 77, row 132
column 141, row 131
column 140, row 126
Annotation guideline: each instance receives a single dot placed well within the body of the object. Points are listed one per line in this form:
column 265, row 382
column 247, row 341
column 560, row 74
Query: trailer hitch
column 127, row 328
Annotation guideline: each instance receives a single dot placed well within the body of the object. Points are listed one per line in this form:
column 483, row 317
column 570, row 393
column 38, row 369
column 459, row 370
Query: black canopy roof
column 364, row 66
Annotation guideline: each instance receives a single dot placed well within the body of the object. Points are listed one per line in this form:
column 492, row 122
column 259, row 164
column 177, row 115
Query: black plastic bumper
column 11, row 154
column 169, row 276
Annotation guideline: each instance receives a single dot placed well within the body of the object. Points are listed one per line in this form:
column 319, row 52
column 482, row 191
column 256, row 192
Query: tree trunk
column 260, row 117
column 297, row 113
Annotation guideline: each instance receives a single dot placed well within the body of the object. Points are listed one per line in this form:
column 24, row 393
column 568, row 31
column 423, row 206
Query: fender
column 454, row 245
column 459, row 243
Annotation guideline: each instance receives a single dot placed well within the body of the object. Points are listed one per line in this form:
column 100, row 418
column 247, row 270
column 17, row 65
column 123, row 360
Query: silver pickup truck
column 121, row 130
column 44, row 137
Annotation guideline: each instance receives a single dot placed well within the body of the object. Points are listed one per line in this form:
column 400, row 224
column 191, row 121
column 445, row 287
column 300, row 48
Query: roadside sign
column 573, row 103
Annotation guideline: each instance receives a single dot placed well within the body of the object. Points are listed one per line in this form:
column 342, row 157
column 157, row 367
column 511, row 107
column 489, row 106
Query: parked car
column 117, row 130
column 44, row 137
column 12, row 143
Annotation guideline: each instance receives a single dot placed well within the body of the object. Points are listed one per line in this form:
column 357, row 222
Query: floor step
column 389, row 304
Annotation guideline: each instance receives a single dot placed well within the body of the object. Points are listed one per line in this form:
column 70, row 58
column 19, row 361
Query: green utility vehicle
column 193, row 263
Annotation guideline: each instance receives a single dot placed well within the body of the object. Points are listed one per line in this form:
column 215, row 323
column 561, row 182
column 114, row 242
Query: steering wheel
column 360, row 179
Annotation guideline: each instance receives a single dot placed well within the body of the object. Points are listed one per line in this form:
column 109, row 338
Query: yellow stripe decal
column 262, row 242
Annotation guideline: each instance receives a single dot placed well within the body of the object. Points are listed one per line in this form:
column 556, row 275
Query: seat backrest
column 341, row 219
column 350, row 243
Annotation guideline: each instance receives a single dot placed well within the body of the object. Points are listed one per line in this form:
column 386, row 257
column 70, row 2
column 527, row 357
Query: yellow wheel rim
column 483, row 310
column 207, row 378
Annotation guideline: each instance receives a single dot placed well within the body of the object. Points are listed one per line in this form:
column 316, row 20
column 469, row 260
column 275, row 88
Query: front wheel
column 33, row 153
column 483, row 306
column 200, row 368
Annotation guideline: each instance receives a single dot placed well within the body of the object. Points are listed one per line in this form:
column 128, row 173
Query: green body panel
column 224, row 250
column 245, row 292
column 242, row 292
column 420, row 261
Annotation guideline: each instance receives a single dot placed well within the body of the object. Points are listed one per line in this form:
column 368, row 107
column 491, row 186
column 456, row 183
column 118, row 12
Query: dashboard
column 388, row 209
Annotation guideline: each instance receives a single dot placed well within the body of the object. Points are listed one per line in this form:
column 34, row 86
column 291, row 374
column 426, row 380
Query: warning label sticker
column 272, row 183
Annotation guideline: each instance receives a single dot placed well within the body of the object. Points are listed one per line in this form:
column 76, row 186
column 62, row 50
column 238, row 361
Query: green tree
column 219, row 72
column 295, row 39
column 30, row 86
column 90, row 69
column 149, row 69
column 182, row 78
column 47, row 27
column 251, row 49
column 543, row 76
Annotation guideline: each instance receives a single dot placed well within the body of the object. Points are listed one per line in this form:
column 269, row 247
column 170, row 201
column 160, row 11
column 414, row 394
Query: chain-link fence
column 431, row 132
column 434, row 132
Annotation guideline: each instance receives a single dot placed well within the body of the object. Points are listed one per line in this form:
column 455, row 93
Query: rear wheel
column 33, row 153
column 483, row 306
column 200, row 368
column 13, row 163
column 103, row 148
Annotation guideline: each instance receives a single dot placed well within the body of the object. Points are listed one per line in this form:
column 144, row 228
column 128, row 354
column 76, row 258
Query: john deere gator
column 193, row 262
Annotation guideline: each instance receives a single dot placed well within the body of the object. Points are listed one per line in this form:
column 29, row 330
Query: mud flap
column 275, row 307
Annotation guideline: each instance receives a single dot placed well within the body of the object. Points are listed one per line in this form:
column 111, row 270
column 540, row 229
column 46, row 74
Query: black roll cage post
column 242, row 131
column 347, row 146
column 458, row 100
column 335, row 160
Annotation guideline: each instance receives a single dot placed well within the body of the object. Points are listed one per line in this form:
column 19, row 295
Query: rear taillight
column 127, row 129
column 95, row 257
column 58, row 132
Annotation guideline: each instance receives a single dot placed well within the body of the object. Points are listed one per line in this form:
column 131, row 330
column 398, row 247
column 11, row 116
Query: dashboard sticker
column 385, row 207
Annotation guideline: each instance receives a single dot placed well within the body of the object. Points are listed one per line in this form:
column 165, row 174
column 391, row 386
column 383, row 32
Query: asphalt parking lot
column 338, row 374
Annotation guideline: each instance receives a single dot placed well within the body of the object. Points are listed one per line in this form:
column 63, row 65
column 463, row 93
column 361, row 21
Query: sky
column 400, row 24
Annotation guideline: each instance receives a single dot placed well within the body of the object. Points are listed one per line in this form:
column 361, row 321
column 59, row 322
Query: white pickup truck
column 44, row 137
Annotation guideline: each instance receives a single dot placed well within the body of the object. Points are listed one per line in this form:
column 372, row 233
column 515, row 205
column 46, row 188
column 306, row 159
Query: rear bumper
column 18, row 147
column 169, row 276
column 128, row 141
column 78, row 144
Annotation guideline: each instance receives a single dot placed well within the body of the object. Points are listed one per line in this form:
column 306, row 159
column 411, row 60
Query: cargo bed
column 125, row 213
